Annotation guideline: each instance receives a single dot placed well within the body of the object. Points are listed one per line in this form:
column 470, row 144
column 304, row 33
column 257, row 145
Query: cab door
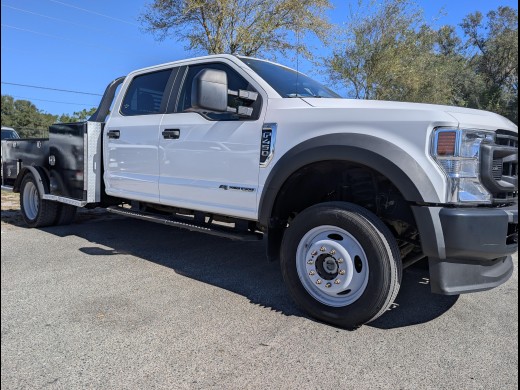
column 209, row 161
column 131, row 137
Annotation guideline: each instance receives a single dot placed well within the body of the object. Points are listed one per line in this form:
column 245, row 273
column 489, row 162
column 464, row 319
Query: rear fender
column 42, row 179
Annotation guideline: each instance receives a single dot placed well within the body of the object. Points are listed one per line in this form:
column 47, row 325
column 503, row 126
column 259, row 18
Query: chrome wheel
column 332, row 266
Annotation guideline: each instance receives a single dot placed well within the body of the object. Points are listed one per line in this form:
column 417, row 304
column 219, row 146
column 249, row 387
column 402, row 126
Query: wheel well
column 328, row 181
column 41, row 175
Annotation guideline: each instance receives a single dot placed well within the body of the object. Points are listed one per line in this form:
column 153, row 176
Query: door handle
column 171, row 134
column 114, row 134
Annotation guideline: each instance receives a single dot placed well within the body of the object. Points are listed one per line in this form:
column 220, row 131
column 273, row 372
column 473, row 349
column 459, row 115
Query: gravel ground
column 114, row 303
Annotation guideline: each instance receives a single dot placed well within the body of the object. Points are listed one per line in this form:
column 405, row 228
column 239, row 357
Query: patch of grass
column 10, row 201
column 11, row 210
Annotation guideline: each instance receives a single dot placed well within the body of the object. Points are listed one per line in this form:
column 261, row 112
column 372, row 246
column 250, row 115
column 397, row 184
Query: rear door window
column 146, row 94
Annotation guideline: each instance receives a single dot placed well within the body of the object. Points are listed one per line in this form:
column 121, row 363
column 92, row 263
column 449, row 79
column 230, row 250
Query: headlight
column 458, row 154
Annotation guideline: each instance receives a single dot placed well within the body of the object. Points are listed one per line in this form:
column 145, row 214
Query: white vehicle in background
column 346, row 192
column 9, row 133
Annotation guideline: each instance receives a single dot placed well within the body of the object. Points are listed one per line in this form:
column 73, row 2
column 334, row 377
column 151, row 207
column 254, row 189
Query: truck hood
column 467, row 118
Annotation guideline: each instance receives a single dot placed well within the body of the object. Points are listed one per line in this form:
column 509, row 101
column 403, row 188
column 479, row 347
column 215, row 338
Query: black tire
column 66, row 214
column 383, row 272
column 36, row 212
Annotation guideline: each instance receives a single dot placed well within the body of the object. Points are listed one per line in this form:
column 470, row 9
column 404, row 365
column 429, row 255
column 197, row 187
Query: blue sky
column 81, row 45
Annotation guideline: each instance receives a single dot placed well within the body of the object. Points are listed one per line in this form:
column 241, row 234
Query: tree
column 7, row 110
column 25, row 117
column 248, row 27
column 493, row 48
column 391, row 53
column 388, row 54
column 30, row 121
column 77, row 116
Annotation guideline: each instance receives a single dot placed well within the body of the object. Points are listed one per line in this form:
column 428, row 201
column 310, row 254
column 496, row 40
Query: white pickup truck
column 345, row 192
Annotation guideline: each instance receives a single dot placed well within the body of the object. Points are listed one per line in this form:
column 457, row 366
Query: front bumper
column 474, row 248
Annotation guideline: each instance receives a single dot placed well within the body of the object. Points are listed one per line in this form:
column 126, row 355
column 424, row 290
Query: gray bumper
column 453, row 276
column 477, row 244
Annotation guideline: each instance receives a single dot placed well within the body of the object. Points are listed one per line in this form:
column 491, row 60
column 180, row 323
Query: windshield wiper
column 297, row 95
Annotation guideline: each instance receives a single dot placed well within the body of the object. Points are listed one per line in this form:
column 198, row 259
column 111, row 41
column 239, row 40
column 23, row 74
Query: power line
column 37, row 32
column 61, row 38
column 49, row 17
column 54, row 101
column 94, row 13
column 84, row 60
column 51, row 89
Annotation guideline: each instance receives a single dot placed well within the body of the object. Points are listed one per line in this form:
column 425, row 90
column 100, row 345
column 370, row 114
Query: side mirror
column 210, row 93
column 210, row 90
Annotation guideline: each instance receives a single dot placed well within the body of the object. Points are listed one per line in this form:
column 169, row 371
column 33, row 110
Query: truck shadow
column 240, row 267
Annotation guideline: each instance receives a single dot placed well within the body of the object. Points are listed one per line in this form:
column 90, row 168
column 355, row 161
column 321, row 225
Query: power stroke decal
column 267, row 144
column 236, row 188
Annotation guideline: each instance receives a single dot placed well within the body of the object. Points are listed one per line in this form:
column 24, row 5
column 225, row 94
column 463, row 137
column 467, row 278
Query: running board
column 211, row 229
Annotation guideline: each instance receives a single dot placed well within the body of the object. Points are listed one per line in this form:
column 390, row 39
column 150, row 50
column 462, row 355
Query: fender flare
column 42, row 181
column 402, row 170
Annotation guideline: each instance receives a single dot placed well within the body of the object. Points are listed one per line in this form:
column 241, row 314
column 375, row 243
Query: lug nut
column 333, row 252
column 312, row 273
column 314, row 253
column 323, row 249
column 328, row 285
column 342, row 272
column 340, row 261
column 310, row 262
column 318, row 281
column 337, row 281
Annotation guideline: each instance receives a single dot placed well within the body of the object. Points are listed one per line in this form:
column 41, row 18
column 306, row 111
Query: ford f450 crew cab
column 345, row 192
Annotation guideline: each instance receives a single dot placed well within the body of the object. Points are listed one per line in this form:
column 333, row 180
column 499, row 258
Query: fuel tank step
column 208, row 228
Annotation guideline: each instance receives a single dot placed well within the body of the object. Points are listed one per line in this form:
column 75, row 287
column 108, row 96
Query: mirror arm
column 241, row 111
column 246, row 95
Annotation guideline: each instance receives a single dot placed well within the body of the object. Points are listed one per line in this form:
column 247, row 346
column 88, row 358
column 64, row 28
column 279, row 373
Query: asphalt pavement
column 115, row 303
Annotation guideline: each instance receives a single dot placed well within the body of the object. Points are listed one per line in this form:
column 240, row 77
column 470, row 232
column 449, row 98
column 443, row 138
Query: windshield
column 9, row 134
column 287, row 82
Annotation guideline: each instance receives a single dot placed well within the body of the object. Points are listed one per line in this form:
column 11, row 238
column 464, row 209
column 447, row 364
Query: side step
column 212, row 229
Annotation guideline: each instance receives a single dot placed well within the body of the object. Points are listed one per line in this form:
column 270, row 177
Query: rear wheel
column 66, row 214
column 36, row 212
column 341, row 264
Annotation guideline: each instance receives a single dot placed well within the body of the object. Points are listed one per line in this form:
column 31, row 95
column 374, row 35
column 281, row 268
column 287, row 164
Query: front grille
column 499, row 167
column 512, row 234
column 506, row 138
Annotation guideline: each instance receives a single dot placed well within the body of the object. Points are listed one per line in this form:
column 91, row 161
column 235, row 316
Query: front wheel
column 341, row 264
column 36, row 211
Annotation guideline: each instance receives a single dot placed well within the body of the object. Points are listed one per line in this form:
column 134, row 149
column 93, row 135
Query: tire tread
column 47, row 210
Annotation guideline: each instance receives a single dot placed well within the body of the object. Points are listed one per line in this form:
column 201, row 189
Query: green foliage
column 494, row 48
column 248, row 27
column 77, row 116
column 29, row 121
column 392, row 53
column 23, row 116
